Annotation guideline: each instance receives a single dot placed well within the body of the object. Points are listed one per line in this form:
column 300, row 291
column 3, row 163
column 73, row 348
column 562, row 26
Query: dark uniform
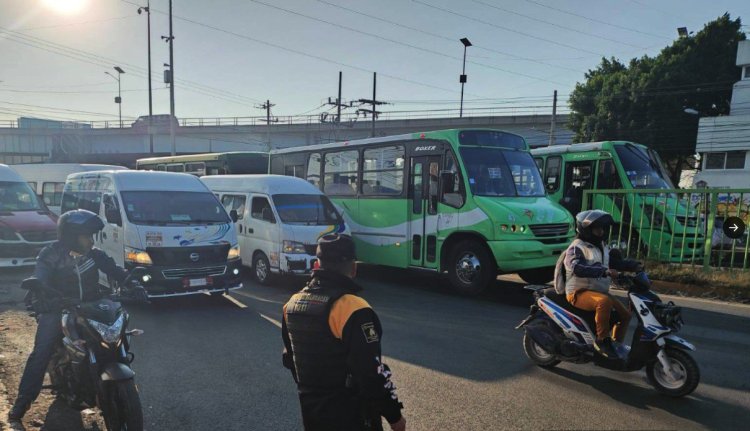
column 332, row 346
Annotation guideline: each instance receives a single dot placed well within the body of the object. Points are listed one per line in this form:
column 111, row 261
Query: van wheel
column 471, row 268
column 538, row 275
column 262, row 269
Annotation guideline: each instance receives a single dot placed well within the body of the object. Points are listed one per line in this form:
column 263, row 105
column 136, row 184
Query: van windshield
column 17, row 196
column 173, row 208
column 313, row 210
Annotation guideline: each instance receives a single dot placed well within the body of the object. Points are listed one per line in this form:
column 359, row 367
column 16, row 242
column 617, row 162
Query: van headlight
column 293, row 247
column 140, row 257
column 234, row 252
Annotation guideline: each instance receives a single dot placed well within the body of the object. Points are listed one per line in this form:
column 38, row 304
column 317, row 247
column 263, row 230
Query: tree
column 644, row 101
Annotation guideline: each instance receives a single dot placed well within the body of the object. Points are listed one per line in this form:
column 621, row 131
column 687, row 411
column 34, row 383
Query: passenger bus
column 662, row 222
column 48, row 179
column 467, row 202
column 238, row 162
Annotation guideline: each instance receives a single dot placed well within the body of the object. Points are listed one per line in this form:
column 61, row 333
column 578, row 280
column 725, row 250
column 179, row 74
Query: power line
column 505, row 28
column 96, row 21
column 397, row 42
column 596, row 20
column 553, row 24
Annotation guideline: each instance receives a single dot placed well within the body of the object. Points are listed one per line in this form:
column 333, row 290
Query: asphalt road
column 215, row 363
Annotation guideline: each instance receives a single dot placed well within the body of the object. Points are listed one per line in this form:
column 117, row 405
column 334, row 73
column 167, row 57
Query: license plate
column 195, row 282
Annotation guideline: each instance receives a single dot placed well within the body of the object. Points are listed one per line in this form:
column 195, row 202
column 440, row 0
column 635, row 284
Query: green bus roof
column 580, row 148
column 199, row 157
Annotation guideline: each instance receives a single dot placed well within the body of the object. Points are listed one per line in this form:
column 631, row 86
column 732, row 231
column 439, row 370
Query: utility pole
column 170, row 79
column 338, row 103
column 147, row 9
column 554, row 120
column 374, row 102
column 267, row 106
column 118, row 99
column 338, row 100
column 462, row 78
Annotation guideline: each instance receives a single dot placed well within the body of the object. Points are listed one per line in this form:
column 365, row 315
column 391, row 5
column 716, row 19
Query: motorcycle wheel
column 124, row 412
column 537, row 354
column 683, row 365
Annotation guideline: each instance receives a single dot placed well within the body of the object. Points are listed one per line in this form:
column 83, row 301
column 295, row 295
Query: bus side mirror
column 449, row 182
column 234, row 216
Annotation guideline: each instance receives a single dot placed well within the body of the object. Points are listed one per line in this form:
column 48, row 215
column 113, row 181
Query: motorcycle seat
column 587, row 316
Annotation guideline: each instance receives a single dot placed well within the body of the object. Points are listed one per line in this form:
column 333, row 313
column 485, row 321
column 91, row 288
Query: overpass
column 104, row 142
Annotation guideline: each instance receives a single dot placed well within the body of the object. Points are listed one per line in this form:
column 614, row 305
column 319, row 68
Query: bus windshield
column 17, row 196
column 173, row 207
column 313, row 210
column 495, row 172
column 643, row 168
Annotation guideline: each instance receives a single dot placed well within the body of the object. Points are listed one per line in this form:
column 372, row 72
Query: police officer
column 332, row 347
column 67, row 268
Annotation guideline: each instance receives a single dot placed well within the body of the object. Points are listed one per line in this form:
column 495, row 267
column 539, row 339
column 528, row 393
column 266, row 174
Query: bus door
column 424, row 176
column 579, row 176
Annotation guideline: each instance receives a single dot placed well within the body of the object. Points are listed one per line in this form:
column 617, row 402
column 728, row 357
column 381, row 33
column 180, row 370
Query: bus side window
column 552, row 174
column 313, row 169
column 608, row 177
column 160, row 168
column 539, row 164
column 52, row 193
column 452, row 194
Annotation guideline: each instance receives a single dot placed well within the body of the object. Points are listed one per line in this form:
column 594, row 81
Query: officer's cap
column 336, row 248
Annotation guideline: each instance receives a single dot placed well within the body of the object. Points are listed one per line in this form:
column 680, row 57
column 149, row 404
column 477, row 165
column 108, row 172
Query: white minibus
column 279, row 220
column 168, row 222
column 48, row 179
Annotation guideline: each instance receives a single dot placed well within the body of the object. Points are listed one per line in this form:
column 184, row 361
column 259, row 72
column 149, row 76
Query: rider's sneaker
column 605, row 348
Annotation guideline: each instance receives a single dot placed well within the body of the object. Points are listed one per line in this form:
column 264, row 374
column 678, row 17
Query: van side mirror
column 111, row 210
column 449, row 182
column 234, row 216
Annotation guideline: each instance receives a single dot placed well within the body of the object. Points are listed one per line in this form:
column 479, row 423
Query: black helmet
column 336, row 248
column 586, row 221
column 75, row 223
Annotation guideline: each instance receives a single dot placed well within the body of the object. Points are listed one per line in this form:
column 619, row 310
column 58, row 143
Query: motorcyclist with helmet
column 589, row 268
column 68, row 269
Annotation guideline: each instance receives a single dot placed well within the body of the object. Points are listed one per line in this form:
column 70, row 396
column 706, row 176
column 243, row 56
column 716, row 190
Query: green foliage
column 644, row 101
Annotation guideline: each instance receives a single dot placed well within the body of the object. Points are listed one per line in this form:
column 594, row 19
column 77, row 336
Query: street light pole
column 147, row 9
column 118, row 99
column 170, row 39
column 462, row 78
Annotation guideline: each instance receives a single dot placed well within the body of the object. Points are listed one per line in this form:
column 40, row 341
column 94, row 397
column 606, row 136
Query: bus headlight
column 140, row 257
column 234, row 252
column 293, row 247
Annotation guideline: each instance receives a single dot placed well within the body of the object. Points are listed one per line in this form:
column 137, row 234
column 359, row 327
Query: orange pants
column 602, row 304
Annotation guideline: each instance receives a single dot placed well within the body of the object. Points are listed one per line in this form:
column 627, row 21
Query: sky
column 230, row 56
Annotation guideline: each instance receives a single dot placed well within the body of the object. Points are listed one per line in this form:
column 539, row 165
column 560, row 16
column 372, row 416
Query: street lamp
column 118, row 99
column 147, row 9
column 462, row 78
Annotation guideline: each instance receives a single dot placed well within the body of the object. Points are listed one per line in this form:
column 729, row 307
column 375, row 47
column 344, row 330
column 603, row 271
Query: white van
column 168, row 222
column 279, row 220
column 48, row 179
column 25, row 225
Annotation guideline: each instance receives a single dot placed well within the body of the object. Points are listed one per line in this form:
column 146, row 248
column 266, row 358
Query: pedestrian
column 332, row 347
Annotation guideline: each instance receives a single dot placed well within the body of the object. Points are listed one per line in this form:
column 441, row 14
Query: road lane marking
column 235, row 301
column 270, row 319
column 257, row 298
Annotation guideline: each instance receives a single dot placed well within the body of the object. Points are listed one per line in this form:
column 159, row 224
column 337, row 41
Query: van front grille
column 194, row 272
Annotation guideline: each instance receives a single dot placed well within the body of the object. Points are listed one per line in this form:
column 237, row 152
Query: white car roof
column 266, row 184
column 9, row 175
column 128, row 180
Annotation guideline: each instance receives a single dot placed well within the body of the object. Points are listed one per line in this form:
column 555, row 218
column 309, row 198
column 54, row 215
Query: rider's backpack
column 560, row 274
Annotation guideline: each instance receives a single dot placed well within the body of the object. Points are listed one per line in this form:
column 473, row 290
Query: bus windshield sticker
column 495, row 173
column 180, row 217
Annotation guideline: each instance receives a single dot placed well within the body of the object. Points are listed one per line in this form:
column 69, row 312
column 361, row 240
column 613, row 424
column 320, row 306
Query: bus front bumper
column 514, row 256
column 297, row 263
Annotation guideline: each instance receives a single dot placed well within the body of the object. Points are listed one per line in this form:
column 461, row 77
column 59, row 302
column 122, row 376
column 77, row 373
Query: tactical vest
column 319, row 357
column 591, row 254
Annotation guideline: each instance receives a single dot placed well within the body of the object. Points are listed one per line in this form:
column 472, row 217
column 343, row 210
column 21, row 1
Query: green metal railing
column 681, row 226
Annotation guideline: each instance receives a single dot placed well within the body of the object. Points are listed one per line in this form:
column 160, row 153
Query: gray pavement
column 213, row 363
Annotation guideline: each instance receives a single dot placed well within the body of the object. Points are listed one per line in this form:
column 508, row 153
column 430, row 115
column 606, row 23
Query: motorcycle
column 556, row 331
column 91, row 366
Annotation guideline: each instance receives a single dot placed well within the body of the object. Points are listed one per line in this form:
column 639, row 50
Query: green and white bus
column 236, row 162
column 657, row 225
column 467, row 202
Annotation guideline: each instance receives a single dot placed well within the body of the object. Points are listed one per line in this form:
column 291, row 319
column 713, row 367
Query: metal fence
column 679, row 226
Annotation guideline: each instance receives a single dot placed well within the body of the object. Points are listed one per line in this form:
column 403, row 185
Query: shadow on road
column 712, row 413
column 60, row 417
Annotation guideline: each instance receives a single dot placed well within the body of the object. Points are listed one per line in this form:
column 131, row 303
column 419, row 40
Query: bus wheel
column 538, row 275
column 261, row 268
column 471, row 268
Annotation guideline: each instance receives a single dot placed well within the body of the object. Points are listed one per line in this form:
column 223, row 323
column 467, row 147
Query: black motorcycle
column 91, row 366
